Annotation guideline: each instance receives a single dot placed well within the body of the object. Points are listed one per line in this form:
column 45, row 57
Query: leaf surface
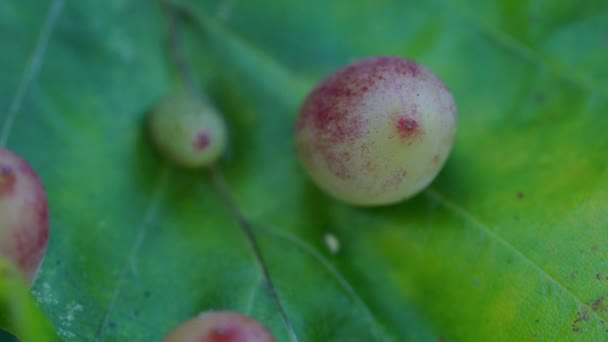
column 509, row 243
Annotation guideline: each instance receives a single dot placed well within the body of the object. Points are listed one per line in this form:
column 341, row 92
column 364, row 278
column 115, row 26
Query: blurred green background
column 508, row 244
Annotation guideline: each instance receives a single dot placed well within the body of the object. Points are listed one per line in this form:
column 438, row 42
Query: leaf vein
column 464, row 213
column 302, row 245
column 149, row 215
column 186, row 76
column 245, row 226
column 33, row 68
column 252, row 295
column 528, row 54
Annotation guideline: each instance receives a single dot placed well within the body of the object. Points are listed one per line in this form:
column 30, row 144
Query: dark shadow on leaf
column 7, row 337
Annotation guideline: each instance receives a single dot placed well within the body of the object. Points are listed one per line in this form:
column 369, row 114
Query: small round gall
column 24, row 215
column 188, row 131
column 377, row 131
column 220, row 326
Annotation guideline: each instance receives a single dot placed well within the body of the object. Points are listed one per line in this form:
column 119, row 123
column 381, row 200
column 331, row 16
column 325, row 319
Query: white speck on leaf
column 332, row 243
column 64, row 333
column 67, row 319
column 45, row 295
column 122, row 47
column 73, row 309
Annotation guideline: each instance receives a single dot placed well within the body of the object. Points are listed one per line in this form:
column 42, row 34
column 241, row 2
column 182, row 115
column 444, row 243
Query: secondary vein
column 32, row 70
column 299, row 243
column 527, row 53
column 149, row 215
column 450, row 205
column 220, row 186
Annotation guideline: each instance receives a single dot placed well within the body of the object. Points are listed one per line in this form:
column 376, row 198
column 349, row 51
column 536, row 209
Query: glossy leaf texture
column 509, row 243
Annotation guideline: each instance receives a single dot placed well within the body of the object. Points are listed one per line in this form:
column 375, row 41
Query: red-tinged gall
column 202, row 140
column 377, row 131
column 220, row 326
column 24, row 217
column 407, row 127
column 7, row 180
column 187, row 130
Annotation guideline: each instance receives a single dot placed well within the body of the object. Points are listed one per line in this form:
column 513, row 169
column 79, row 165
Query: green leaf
column 19, row 313
column 508, row 243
